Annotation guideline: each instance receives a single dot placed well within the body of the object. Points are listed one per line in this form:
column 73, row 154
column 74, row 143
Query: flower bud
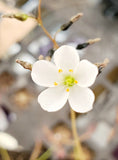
column 18, row 16
column 65, row 26
column 82, row 45
column 21, row 16
column 51, row 52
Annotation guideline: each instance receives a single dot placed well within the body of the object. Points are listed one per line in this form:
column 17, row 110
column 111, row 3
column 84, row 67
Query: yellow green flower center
column 69, row 81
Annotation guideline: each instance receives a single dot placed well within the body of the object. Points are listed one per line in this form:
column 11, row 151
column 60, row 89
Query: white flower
column 67, row 79
column 8, row 142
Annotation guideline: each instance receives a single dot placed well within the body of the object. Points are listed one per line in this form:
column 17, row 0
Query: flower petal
column 86, row 73
column 66, row 57
column 8, row 142
column 53, row 99
column 44, row 73
column 81, row 99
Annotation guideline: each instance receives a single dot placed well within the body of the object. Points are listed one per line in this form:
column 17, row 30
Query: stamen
column 55, row 83
column 60, row 70
column 70, row 70
column 67, row 90
column 76, row 81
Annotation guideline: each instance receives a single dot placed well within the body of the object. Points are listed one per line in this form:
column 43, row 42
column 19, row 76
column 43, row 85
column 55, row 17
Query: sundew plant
column 66, row 78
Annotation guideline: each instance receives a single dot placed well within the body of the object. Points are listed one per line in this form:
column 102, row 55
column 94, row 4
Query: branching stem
column 39, row 19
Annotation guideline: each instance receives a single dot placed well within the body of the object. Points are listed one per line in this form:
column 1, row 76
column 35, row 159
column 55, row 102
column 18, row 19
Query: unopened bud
column 18, row 16
column 21, row 16
column 101, row 66
column 92, row 41
column 89, row 42
column 48, row 58
column 65, row 26
column 41, row 57
column 82, row 46
column 51, row 52
column 76, row 17
column 24, row 64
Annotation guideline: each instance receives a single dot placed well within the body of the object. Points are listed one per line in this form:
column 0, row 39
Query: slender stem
column 4, row 154
column 39, row 10
column 59, row 30
column 37, row 150
column 47, row 33
column 45, row 155
column 78, row 148
column 44, row 29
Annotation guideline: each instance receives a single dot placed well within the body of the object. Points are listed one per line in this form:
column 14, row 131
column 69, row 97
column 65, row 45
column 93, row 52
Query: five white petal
column 66, row 57
column 8, row 142
column 81, row 99
column 86, row 73
column 46, row 73
column 53, row 99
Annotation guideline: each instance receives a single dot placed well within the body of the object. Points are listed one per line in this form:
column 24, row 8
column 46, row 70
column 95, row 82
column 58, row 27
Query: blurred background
column 21, row 115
